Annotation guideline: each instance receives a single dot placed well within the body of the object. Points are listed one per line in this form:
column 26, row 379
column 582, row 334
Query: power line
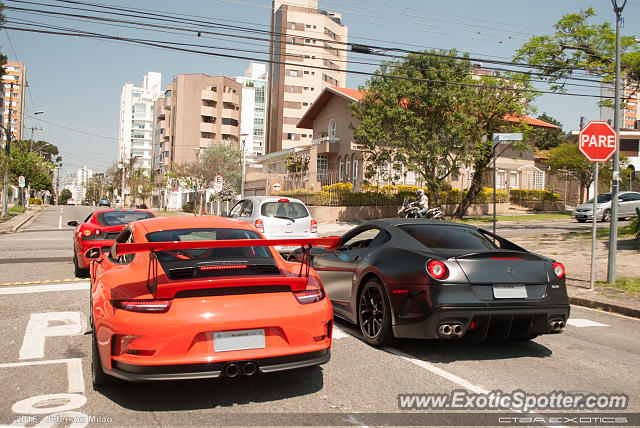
column 167, row 45
column 76, row 130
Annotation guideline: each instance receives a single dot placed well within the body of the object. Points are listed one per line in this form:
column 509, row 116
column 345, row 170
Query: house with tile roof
column 335, row 156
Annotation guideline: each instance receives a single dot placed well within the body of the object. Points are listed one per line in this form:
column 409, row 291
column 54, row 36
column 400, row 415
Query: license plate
column 238, row 340
column 509, row 292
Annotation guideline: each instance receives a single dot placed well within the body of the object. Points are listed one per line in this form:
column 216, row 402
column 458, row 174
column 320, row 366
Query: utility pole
column 7, row 131
column 613, row 231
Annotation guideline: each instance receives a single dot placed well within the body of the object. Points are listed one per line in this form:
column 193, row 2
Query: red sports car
column 188, row 297
column 100, row 229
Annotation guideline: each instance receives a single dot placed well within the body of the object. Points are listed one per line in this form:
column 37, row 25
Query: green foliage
column 188, row 207
column 65, row 195
column 546, row 138
column 522, row 196
column 578, row 45
column 634, row 224
column 297, row 164
column 567, row 157
column 36, row 169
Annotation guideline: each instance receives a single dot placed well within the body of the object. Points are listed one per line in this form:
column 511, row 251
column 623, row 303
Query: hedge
column 522, row 196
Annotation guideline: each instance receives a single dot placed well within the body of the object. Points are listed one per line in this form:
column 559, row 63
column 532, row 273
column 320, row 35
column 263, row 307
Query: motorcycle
column 410, row 210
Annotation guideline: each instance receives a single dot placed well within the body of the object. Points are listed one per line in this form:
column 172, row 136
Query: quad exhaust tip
column 232, row 370
column 449, row 331
column 556, row 326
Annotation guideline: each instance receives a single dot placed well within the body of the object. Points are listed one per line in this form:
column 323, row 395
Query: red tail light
column 437, row 269
column 86, row 232
column 314, row 226
column 312, row 294
column 97, row 232
column 558, row 269
column 283, row 200
column 155, row 306
column 259, row 225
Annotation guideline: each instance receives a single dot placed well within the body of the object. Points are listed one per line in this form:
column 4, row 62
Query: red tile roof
column 530, row 121
column 351, row 93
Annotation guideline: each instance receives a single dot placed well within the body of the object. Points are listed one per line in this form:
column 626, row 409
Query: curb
column 29, row 218
column 607, row 307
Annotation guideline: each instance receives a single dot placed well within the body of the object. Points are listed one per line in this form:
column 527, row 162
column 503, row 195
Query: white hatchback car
column 277, row 217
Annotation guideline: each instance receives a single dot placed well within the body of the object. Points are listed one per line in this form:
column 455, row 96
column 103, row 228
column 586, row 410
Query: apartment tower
column 135, row 131
column 307, row 54
column 16, row 74
column 253, row 112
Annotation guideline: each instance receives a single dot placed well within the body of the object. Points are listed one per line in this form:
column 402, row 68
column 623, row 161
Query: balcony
column 208, row 111
column 323, row 140
column 230, row 97
column 206, row 142
column 209, row 95
column 229, row 129
column 207, row 127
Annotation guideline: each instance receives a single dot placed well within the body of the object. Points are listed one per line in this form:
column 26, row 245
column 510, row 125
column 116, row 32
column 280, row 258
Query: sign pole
column 593, row 228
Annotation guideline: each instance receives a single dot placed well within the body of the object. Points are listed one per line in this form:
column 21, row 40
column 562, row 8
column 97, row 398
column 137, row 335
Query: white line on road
column 69, row 286
column 581, row 322
column 74, row 370
column 60, row 222
column 338, row 334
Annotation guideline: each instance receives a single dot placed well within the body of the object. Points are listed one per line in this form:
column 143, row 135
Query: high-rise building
column 196, row 112
column 303, row 37
column 135, row 136
column 253, row 111
column 16, row 74
column 631, row 114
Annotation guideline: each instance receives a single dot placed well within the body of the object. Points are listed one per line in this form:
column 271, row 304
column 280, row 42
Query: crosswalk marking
column 581, row 322
column 338, row 334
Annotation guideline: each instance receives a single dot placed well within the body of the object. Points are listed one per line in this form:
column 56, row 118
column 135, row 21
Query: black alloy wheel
column 374, row 314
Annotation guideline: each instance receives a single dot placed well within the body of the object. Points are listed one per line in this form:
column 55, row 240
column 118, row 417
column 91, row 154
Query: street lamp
column 243, row 139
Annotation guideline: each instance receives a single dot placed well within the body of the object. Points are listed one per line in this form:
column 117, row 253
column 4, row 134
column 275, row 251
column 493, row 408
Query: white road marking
column 39, row 329
column 74, row 370
column 29, row 406
column 600, row 311
column 60, row 222
column 61, row 286
column 581, row 322
column 338, row 334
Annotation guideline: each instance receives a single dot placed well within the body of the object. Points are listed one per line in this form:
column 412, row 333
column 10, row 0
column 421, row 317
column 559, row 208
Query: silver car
column 627, row 204
column 277, row 218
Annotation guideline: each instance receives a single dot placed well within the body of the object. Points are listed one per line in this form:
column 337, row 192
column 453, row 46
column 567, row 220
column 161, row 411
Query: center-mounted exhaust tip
column 232, row 370
column 249, row 368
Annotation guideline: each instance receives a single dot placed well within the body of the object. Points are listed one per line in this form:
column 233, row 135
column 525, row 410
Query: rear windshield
column 449, row 237
column 292, row 210
column 208, row 234
column 116, row 218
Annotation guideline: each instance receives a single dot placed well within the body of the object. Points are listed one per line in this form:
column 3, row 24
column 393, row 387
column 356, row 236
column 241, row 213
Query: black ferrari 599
column 415, row 278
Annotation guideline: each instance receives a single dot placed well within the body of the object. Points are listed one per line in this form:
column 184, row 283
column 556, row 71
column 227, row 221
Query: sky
column 76, row 82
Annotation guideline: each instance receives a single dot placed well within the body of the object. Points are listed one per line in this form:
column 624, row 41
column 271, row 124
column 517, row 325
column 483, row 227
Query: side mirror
column 93, row 253
column 224, row 214
column 72, row 223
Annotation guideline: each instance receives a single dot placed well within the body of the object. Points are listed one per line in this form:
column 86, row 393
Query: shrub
column 188, row 207
column 634, row 224
column 35, row 201
column 522, row 196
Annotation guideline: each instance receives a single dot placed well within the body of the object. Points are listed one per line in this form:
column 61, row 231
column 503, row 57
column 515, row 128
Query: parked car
column 186, row 298
column 276, row 217
column 100, row 229
column 71, row 201
column 432, row 279
column 627, row 204
column 104, row 202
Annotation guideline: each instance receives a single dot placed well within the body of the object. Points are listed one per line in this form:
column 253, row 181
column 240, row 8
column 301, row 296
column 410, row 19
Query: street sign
column 598, row 141
column 513, row 136
column 218, row 179
column 21, row 181
column 276, row 187
column 217, row 187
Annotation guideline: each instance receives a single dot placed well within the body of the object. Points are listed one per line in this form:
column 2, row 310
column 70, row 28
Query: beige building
column 196, row 112
column 334, row 157
column 308, row 53
column 16, row 73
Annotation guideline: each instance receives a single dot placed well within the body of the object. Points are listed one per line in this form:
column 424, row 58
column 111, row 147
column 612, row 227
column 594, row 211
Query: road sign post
column 598, row 141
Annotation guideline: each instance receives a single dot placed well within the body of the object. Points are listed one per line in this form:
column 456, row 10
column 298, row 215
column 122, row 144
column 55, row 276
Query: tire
column 581, row 220
column 98, row 376
column 79, row 273
column 606, row 215
column 374, row 314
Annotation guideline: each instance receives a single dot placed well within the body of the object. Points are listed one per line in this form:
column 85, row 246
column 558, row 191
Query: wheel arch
column 365, row 278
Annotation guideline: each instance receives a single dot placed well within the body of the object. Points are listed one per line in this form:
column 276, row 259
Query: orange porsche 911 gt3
column 187, row 298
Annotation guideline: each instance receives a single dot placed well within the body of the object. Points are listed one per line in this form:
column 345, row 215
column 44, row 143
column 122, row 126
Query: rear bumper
column 489, row 322
column 143, row 373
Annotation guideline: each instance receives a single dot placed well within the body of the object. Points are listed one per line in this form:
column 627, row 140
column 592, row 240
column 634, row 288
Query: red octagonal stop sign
column 598, row 141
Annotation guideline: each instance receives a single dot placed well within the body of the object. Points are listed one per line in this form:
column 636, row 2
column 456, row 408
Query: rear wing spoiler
column 330, row 243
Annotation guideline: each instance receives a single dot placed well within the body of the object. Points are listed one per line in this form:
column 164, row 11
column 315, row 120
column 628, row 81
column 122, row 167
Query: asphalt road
column 45, row 376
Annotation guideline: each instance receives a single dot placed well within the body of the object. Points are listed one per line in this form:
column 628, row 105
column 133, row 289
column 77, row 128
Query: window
column 291, row 210
column 235, row 211
column 451, row 237
column 229, row 121
column 332, row 129
column 513, row 180
column 355, row 171
column 294, row 73
column 322, row 166
column 538, row 180
column 346, row 170
column 340, row 171
column 247, row 209
column 368, row 238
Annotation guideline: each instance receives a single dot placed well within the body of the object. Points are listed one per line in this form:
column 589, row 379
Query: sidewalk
column 17, row 221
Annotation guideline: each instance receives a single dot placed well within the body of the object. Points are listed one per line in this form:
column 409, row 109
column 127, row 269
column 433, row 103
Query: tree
column 418, row 119
column 567, row 157
column 297, row 165
column 498, row 101
column 65, row 195
column 547, row 138
column 219, row 159
column 37, row 171
column 577, row 45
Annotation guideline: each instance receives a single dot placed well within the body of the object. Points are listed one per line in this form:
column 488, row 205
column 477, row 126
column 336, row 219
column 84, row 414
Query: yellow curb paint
column 57, row 280
column 36, row 282
column 46, row 280
column 6, row 283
